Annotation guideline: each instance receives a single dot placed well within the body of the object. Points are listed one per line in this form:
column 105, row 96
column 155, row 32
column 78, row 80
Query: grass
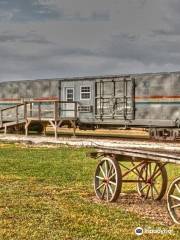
column 46, row 193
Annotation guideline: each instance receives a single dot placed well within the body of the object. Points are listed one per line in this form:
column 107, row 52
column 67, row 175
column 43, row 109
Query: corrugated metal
column 157, row 96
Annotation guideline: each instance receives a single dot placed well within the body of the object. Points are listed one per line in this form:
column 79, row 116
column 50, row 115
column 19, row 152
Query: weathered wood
column 26, row 126
column 8, row 108
column 138, row 154
column 55, row 111
column 17, row 114
column 1, row 117
column 25, row 111
column 51, row 114
column 75, row 110
column 30, row 109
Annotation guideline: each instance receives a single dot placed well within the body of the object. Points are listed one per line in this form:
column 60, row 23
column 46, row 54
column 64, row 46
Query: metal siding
column 76, row 84
column 115, row 98
column 158, row 92
column 29, row 89
column 149, row 111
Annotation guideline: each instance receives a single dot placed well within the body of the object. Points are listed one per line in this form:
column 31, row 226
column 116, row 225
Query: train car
column 150, row 100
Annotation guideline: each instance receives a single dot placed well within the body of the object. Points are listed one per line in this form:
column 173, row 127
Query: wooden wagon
column 117, row 166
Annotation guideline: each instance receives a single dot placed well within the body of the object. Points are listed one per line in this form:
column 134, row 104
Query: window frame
column 69, row 88
column 88, row 110
column 85, row 92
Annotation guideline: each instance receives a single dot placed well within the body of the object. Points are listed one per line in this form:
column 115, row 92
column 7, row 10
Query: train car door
column 115, row 98
column 69, row 106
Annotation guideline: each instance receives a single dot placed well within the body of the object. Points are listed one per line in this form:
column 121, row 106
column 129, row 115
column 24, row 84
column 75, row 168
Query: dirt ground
column 129, row 132
column 48, row 141
column 147, row 209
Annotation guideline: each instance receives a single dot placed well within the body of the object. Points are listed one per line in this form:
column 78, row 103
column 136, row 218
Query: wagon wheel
column 108, row 180
column 173, row 200
column 152, row 181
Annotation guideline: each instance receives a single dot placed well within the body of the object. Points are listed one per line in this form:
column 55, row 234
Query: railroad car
column 150, row 101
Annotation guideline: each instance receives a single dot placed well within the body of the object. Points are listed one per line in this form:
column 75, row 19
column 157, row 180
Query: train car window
column 69, row 94
column 85, row 93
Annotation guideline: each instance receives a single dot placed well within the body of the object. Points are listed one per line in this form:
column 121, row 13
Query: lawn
column 46, row 194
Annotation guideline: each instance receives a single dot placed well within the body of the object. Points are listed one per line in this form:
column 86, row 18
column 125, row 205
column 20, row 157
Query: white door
column 69, row 106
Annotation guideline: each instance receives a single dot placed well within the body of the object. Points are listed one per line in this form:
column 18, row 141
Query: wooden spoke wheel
column 152, row 181
column 108, row 180
column 173, row 200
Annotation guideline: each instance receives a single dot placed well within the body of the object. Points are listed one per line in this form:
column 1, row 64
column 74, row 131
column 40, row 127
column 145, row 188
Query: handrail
column 17, row 105
column 29, row 109
column 51, row 101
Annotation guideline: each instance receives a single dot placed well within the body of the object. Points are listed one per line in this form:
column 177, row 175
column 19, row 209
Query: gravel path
column 90, row 142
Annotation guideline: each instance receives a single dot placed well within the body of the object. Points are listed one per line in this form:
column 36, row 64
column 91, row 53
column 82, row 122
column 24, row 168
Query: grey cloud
column 90, row 38
column 60, row 10
column 145, row 50
column 27, row 38
column 94, row 16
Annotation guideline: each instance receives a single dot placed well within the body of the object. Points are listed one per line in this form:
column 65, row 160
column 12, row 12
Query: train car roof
column 93, row 77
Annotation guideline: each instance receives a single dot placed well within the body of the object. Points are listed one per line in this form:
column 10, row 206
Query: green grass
column 46, row 194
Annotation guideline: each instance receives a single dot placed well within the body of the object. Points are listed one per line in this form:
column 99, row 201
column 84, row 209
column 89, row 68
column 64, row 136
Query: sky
column 68, row 38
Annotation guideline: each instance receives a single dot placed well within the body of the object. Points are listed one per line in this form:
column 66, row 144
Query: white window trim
column 67, row 90
column 84, row 99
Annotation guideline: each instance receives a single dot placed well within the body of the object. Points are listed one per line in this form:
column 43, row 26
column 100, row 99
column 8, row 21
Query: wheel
column 152, row 181
column 173, row 200
column 108, row 180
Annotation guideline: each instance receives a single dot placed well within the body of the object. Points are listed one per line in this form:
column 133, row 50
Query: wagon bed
column 167, row 156
column 119, row 165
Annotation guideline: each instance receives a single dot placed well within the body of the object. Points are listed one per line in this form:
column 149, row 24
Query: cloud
column 7, row 15
column 29, row 37
column 56, row 38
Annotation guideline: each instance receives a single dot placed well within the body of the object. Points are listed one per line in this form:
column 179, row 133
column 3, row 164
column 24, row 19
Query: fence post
column 1, row 116
column 25, row 110
column 17, row 114
column 59, row 107
column 55, row 111
column 39, row 110
column 30, row 110
column 75, row 110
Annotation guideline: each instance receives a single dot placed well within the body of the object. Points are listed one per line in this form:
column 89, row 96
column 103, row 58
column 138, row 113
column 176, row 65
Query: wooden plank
column 13, row 123
column 39, row 110
column 140, row 154
column 16, row 114
column 5, row 109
